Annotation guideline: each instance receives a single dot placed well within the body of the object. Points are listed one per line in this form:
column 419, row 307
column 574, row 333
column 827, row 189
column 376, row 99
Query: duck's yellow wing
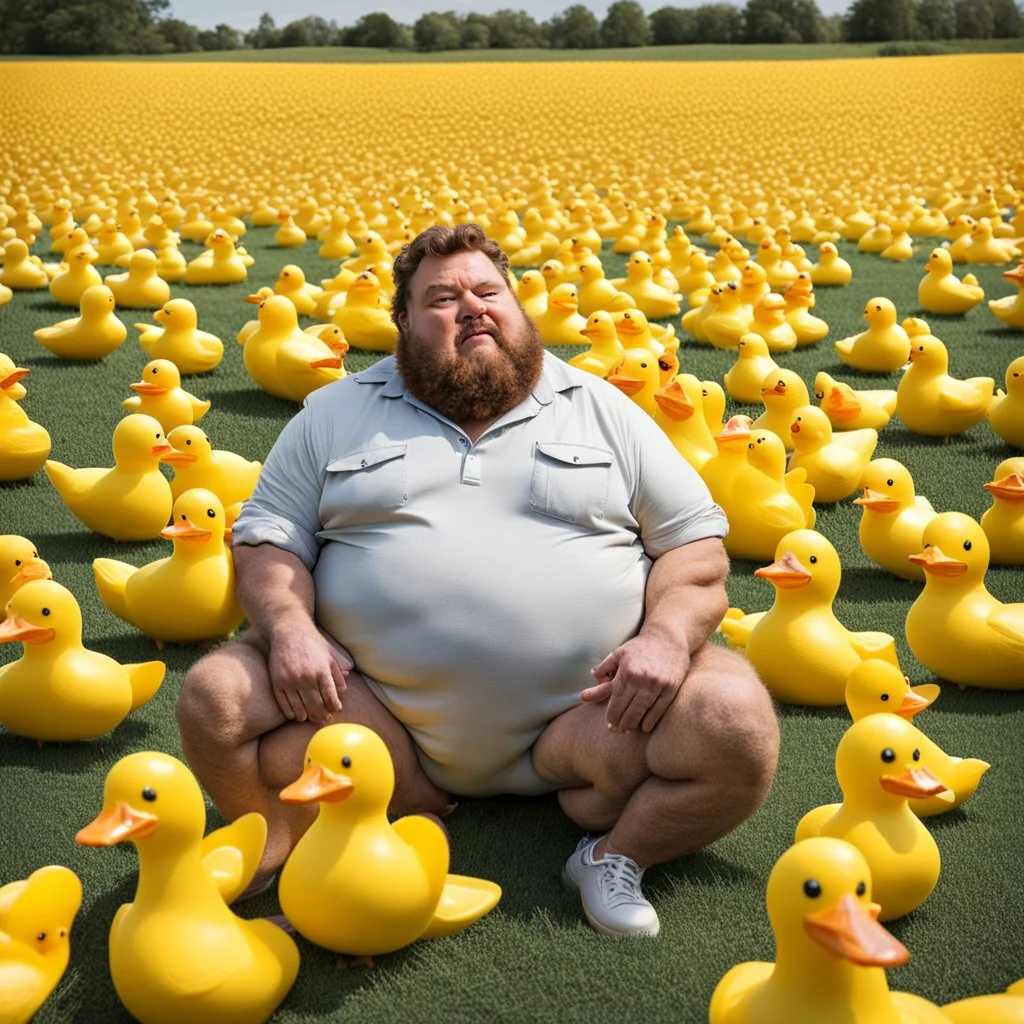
column 735, row 988
column 993, row 1009
column 871, row 644
column 463, row 901
column 23, row 988
column 737, row 626
column 812, row 822
column 231, row 854
column 145, row 678
column 111, row 577
column 963, row 396
column 1008, row 622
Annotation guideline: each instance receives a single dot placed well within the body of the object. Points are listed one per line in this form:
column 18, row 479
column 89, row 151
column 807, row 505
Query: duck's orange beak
column 737, row 431
column 851, row 931
column 794, row 428
column 779, row 389
column 627, row 385
column 917, row 698
column 317, row 785
column 145, row 388
column 674, row 402
column 186, row 530
column 32, row 569
column 327, row 363
column 179, row 458
column 256, row 300
column 935, row 561
column 841, row 406
column 17, row 374
column 115, row 825
column 160, row 450
column 877, row 502
column 1007, row 488
column 913, row 783
column 627, row 325
column 14, row 627
column 1017, row 274
column 788, row 573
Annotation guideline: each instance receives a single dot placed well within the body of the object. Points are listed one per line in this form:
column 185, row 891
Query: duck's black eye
column 46, row 611
column 149, row 794
column 861, row 888
column 888, row 755
column 17, row 561
column 885, row 697
column 888, row 483
column 211, row 513
column 153, row 371
column 920, row 348
column 41, row 937
column 346, row 762
column 967, row 545
column 879, row 308
column 187, row 443
column 812, row 888
column 916, row 755
column 813, row 559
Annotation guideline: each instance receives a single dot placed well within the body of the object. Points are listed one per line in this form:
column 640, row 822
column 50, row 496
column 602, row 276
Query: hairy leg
column 244, row 751
column 705, row 768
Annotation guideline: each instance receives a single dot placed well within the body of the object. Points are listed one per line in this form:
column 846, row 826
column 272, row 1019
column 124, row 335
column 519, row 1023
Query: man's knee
column 724, row 729
column 210, row 704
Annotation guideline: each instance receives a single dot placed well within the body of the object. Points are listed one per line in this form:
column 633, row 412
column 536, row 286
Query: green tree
column 782, row 21
column 309, row 31
column 179, row 36
column 871, row 21
column 719, row 23
column 475, row 32
column 378, row 30
column 85, row 26
column 434, row 31
column 625, row 24
column 265, row 35
column 674, row 26
column 514, row 30
column 1007, row 19
column 936, row 19
column 576, row 28
column 223, row 37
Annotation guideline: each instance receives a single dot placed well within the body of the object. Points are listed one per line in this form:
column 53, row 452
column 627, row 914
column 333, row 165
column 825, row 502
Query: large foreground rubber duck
column 801, row 651
column 36, row 915
column 357, row 883
column 187, row 597
column 879, row 767
column 59, row 690
column 93, row 334
column 1003, row 523
column 131, row 501
column 956, row 628
column 177, row 952
column 831, row 952
column 24, row 444
column 883, row 347
column 999, row 1008
column 178, row 339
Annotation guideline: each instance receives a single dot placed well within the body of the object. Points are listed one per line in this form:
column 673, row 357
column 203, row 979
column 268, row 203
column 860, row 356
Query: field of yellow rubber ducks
column 810, row 274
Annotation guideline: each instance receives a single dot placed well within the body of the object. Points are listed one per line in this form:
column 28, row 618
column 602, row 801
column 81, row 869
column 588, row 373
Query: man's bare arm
column 276, row 591
column 685, row 601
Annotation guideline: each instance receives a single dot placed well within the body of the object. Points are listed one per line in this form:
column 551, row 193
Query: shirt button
column 463, row 441
column 575, row 458
column 363, row 464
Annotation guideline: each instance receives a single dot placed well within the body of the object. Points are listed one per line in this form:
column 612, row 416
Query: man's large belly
column 476, row 646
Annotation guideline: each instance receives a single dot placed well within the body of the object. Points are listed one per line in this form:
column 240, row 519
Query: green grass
column 534, row 958
column 704, row 52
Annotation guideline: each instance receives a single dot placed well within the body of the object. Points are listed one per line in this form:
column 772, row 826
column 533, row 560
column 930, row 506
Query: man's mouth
column 476, row 330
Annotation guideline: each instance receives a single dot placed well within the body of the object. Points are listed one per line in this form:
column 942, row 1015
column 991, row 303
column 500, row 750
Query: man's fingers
column 294, row 701
column 607, row 668
column 340, row 676
column 329, row 692
column 635, row 711
column 596, row 694
column 658, row 709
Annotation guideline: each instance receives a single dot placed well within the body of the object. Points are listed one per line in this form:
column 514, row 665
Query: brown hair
column 440, row 240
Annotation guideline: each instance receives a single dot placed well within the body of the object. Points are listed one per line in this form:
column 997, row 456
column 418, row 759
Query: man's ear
column 402, row 320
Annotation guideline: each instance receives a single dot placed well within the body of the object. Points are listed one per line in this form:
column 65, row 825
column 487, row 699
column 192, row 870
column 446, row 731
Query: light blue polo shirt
column 476, row 585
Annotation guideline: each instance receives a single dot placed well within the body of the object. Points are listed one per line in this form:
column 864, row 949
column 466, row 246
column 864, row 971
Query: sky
column 244, row 14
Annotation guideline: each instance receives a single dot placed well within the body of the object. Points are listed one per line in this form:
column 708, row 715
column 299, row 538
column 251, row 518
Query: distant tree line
column 140, row 26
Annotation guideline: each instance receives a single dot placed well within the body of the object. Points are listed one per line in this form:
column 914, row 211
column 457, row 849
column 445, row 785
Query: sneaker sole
column 648, row 933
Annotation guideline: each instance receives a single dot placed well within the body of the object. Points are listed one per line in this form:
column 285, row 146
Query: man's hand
column 306, row 673
column 639, row 679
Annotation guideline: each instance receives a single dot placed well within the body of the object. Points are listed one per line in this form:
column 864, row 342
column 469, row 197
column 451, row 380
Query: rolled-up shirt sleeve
column 671, row 502
column 284, row 510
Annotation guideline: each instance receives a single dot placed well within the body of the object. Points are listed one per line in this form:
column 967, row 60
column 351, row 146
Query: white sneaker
column 610, row 889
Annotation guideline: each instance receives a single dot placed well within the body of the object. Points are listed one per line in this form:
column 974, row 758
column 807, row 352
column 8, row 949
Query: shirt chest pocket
column 570, row 481
column 364, row 486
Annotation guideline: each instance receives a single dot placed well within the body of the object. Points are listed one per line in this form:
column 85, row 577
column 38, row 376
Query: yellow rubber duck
column 931, row 402
column 288, row 235
column 59, row 690
column 883, row 348
column 291, row 283
column 638, row 377
column 178, row 339
column 831, row 270
column 335, row 241
column 140, row 287
column 595, row 290
column 131, row 501
column 799, row 299
column 901, row 247
column 533, row 294
column 561, row 323
column 848, row 409
column 178, row 953
column 894, row 518
column 956, row 628
column 159, row 394
column 831, row 952
column 879, row 768
column 802, row 652
column 998, row 1008
column 714, row 405
column 1009, row 309
column 693, row 320
column 724, row 322
column 188, row 597
column 554, row 273
column 250, row 327
column 365, row 317
column 782, row 393
column 753, row 285
column 19, row 563
column 94, row 334
column 834, row 463
column 941, row 291
column 769, row 320
column 112, row 243
column 730, row 457
column 753, row 364
column 373, row 252
column 605, row 352
column 696, row 278
column 655, row 302
column 24, row 444
column 5, row 295
column 355, row 882
column 20, row 271
column 1006, row 413
column 877, row 687
column 197, row 464
column 170, row 264
column 984, row 247
column 283, row 360
column 781, row 273
column 77, row 274
column 1003, row 522
column 36, row 915
column 220, row 263
column 334, row 338
column 680, row 414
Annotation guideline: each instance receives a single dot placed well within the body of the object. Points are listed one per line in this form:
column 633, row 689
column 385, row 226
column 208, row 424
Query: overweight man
column 502, row 566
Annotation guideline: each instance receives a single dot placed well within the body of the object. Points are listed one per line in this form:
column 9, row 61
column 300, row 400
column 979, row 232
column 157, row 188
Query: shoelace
column 622, row 877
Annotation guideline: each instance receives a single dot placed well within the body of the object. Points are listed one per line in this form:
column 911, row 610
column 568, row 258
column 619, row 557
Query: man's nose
column 472, row 307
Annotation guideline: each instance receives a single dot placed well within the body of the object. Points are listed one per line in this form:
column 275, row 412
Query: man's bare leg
column 244, row 751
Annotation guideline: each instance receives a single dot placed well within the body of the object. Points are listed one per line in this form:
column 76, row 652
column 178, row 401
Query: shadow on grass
column 872, row 583
column 78, row 757
column 253, row 402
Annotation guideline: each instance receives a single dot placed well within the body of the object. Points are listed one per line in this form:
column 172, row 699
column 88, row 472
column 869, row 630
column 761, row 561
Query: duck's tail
column 145, row 678
column 463, row 901
column 111, row 577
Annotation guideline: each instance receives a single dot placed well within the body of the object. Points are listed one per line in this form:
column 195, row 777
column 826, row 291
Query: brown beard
column 465, row 389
